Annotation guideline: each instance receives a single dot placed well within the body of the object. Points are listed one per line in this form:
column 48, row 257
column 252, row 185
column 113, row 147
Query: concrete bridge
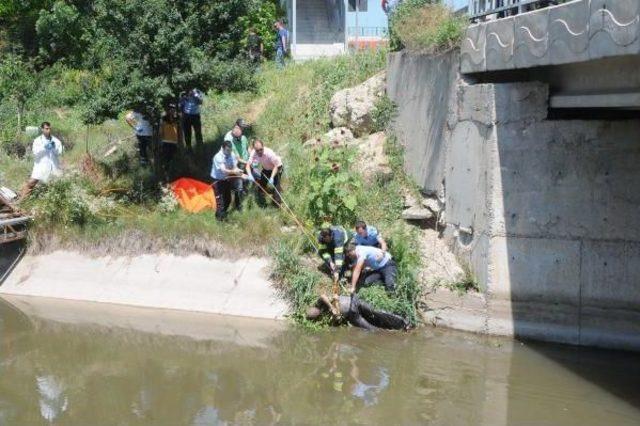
column 586, row 50
column 531, row 136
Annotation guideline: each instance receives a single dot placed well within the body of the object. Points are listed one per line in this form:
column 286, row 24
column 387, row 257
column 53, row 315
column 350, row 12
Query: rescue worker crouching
column 332, row 240
column 380, row 265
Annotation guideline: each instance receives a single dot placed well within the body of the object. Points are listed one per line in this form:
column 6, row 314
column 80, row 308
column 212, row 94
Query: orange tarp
column 194, row 195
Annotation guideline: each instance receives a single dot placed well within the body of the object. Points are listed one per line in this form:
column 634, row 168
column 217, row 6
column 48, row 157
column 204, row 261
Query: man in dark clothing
column 332, row 240
column 190, row 104
column 255, row 47
column 357, row 313
column 282, row 41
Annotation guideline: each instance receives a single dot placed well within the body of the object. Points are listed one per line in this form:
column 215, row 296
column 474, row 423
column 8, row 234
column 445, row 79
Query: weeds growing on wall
column 383, row 113
column 467, row 283
column 425, row 26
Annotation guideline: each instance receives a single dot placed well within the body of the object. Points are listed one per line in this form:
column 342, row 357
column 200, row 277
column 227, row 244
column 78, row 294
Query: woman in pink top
column 271, row 170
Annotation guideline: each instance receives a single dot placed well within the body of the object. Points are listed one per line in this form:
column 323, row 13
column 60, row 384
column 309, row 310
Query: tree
column 18, row 83
column 148, row 51
column 61, row 31
column 17, row 22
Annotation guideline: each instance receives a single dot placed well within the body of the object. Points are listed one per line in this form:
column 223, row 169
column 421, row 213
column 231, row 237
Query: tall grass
column 426, row 26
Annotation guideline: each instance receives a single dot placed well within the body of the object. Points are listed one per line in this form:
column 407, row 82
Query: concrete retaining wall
column 423, row 86
column 553, row 205
column 192, row 283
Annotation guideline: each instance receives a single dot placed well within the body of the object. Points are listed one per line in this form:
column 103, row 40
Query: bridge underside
column 587, row 51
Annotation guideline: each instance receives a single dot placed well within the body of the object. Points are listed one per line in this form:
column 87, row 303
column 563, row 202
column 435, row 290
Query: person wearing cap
column 226, row 178
column 380, row 264
column 190, row 104
column 270, row 170
column 331, row 240
column 367, row 235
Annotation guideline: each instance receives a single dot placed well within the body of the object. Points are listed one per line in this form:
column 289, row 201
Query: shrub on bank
column 64, row 202
column 425, row 26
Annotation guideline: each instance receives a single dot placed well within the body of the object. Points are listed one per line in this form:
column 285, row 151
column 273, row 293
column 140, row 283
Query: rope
column 284, row 206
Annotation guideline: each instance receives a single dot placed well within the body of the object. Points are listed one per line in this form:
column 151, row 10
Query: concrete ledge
column 192, row 283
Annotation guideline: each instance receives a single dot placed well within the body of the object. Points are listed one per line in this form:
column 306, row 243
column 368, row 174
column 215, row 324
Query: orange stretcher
column 194, row 195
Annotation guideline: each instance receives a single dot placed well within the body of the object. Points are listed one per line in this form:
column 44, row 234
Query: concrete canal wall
column 546, row 212
column 192, row 283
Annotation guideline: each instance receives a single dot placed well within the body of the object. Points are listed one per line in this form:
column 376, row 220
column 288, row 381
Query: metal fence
column 377, row 32
column 493, row 9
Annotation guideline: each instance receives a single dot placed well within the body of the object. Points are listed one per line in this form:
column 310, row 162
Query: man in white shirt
column 144, row 133
column 227, row 178
column 46, row 150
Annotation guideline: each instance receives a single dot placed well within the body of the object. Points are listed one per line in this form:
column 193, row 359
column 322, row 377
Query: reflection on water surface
column 72, row 363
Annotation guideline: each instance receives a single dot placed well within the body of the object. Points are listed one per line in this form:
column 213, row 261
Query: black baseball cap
column 241, row 123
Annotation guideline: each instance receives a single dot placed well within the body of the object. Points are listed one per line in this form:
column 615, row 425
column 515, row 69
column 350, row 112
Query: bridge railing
column 480, row 10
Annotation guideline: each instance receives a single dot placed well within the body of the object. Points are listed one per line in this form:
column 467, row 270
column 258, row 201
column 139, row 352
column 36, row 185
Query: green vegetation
column 467, row 283
column 297, row 111
column 132, row 54
column 331, row 186
column 425, row 26
column 383, row 113
column 108, row 204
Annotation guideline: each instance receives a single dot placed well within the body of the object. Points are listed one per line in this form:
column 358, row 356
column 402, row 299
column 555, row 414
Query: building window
column 362, row 5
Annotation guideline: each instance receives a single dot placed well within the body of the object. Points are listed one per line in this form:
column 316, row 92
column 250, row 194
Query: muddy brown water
column 71, row 363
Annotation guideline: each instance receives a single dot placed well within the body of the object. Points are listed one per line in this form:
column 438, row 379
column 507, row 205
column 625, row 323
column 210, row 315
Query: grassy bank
column 109, row 205
column 426, row 26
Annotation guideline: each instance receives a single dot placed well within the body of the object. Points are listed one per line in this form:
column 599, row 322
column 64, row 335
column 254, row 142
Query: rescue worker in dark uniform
column 332, row 239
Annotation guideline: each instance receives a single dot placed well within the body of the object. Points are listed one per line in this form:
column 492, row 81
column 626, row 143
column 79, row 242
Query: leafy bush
column 63, row 202
column 383, row 113
column 332, row 186
column 233, row 76
column 60, row 33
column 425, row 26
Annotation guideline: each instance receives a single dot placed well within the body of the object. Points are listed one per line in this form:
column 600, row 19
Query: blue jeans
column 280, row 57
